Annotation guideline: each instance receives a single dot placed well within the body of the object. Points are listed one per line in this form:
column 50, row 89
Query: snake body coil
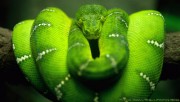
column 58, row 54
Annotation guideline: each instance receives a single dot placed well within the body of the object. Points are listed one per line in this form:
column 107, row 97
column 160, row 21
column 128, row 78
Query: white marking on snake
column 49, row 10
column 124, row 22
column 13, row 46
column 113, row 63
column 75, row 44
column 74, row 29
column 114, row 35
column 151, row 84
column 41, row 54
column 96, row 98
column 156, row 14
column 41, row 24
column 20, row 23
column 155, row 43
column 82, row 67
column 57, row 89
column 114, row 13
column 22, row 58
column 119, row 18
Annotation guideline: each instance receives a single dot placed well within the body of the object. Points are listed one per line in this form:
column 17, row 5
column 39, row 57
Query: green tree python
column 99, row 56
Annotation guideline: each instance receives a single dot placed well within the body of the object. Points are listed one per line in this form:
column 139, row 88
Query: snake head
column 90, row 19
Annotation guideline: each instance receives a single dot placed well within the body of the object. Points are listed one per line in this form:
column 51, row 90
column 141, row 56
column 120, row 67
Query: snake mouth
column 94, row 48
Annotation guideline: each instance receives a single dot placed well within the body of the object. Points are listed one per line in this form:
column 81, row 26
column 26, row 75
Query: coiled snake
column 100, row 56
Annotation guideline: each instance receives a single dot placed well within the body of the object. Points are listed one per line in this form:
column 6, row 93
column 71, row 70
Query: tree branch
column 8, row 66
column 171, row 66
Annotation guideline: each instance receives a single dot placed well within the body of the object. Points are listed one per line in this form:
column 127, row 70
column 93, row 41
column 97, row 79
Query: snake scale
column 99, row 56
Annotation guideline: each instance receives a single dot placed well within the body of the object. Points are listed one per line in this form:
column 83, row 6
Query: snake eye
column 102, row 18
column 80, row 21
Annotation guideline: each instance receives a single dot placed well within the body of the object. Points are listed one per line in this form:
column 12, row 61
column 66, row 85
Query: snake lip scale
column 101, row 55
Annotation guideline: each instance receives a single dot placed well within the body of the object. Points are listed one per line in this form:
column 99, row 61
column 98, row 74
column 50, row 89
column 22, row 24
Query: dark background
column 14, row 11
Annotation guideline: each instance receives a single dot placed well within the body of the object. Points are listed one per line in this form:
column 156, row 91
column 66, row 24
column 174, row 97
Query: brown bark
column 171, row 66
column 8, row 66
